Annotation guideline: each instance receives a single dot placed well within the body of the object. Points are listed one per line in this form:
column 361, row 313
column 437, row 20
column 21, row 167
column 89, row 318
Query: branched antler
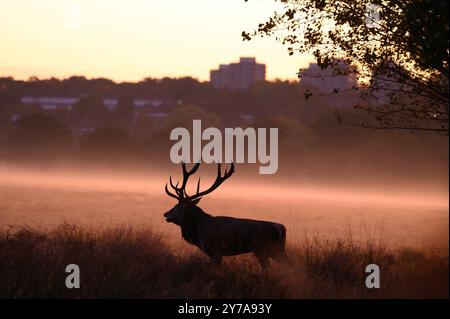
column 181, row 194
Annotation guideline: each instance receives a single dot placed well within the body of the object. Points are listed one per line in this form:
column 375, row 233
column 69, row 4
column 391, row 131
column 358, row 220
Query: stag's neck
column 192, row 230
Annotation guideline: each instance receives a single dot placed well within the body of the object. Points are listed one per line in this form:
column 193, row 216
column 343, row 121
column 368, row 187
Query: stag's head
column 186, row 208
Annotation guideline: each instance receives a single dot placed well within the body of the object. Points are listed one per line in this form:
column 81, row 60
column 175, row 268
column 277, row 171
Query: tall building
column 238, row 76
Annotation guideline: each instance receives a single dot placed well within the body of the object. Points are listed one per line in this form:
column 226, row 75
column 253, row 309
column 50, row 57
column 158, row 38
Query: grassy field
column 137, row 263
column 125, row 249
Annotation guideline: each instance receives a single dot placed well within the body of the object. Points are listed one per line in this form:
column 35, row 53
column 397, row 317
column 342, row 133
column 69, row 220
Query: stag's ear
column 196, row 201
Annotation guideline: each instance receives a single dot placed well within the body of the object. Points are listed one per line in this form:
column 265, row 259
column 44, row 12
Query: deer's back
column 239, row 235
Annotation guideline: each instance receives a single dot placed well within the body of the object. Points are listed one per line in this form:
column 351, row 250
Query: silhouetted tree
column 110, row 143
column 88, row 112
column 39, row 136
column 183, row 116
column 402, row 57
column 125, row 112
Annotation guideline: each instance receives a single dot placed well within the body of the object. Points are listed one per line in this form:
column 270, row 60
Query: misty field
column 125, row 249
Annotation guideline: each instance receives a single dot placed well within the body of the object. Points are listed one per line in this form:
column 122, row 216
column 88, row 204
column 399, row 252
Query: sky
column 133, row 39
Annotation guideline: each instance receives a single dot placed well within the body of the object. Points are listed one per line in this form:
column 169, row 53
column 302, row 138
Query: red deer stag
column 223, row 236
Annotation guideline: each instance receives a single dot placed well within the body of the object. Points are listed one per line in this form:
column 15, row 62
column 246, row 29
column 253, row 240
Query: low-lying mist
column 44, row 198
column 249, row 185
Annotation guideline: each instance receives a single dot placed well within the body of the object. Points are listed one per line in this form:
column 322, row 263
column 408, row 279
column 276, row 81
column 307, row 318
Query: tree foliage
column 398, row 50
column 37, row 136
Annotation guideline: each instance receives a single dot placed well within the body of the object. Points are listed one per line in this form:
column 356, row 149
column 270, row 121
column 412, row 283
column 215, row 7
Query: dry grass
column 136, row 263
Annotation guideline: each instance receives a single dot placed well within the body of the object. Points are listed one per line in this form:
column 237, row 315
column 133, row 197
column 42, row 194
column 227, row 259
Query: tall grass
column 136, row 263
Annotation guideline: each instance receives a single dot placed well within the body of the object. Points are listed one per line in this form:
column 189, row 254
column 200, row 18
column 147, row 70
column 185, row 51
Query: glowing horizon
column 129, row 41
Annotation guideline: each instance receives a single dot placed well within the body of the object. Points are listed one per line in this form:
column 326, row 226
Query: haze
column 44, row 199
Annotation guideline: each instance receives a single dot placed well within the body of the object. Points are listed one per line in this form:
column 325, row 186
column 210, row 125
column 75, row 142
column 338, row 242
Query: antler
column 181, row 191
column 219, row 180
column 170, row 194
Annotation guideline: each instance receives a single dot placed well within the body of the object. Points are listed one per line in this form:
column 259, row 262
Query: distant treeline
column 265, row 99
column 310, row 138
column 91, row 126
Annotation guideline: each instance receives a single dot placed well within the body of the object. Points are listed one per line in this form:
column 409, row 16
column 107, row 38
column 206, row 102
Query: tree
column 110, row 143
column 89, row 111
column 38, row 136
column 125, row 112
column 183, row 116
column 400, row 59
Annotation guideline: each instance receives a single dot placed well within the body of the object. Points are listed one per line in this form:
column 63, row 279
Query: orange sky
column 130, row 40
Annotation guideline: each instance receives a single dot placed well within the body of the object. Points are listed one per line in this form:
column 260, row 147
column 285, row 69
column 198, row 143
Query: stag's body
column 225, row 236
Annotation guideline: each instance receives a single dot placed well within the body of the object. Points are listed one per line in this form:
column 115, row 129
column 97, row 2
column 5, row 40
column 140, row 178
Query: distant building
column 55, row 103
column 337, row 77
column 50, row 102
column 238, row 76
column 111, row 104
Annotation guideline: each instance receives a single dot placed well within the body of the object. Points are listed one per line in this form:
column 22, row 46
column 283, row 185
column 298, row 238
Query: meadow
column 131, row 263
column 125, row 249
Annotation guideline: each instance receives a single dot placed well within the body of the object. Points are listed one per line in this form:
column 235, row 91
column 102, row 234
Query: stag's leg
column 263, row 259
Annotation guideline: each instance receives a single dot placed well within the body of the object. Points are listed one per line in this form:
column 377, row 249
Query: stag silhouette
column 219, row 236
